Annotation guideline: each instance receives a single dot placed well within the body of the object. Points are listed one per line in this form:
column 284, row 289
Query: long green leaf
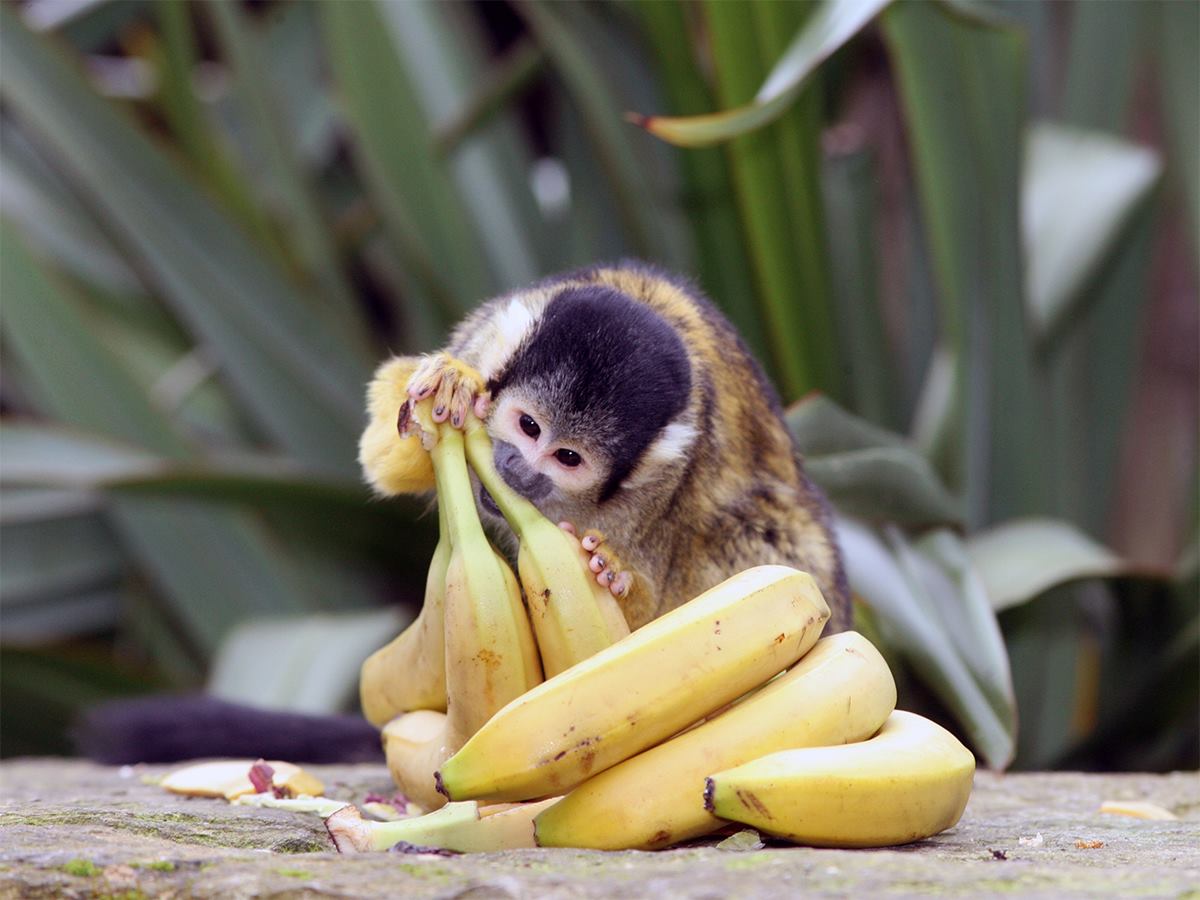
column 779, row 229
column 393, row 143
column 444, row 58
column 215, row 566
column 962, row 84
column 891, row 581
column 1078, row 191
column 315, row 253
column 708, row 193
column 1026, row 557
column 555, row 28
column 267, row 344
column 851, row 208
column 830, row 26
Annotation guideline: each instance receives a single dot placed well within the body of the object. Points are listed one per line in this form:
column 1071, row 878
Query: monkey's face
column 587, row 400
column 541, row 458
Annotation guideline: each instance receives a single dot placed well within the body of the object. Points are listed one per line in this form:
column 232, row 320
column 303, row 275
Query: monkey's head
column 592, row 403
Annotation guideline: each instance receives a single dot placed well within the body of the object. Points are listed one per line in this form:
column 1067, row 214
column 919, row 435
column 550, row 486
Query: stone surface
column 71, row 829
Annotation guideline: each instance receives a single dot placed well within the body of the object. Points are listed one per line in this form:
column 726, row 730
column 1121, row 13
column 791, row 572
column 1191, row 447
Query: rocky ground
column 71, row 829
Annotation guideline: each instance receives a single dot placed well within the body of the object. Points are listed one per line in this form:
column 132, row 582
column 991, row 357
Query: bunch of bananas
column 728, row 708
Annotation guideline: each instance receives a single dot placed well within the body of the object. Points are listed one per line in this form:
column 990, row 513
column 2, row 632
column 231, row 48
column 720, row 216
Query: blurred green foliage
column 954, row 220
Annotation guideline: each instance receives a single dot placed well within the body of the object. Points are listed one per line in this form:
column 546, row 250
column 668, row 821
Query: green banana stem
column 353, row 834
column 456, row 501
column 519, row 512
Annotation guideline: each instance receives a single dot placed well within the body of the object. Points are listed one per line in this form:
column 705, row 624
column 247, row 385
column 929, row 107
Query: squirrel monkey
column 626, row 407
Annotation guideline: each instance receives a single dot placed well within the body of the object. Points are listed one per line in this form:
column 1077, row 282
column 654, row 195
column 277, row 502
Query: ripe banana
column 491, row 657
column 464, row 827
column 573, row 616
column 840, row 691
column 642, row 689
column 410, row 672
column 909, row 782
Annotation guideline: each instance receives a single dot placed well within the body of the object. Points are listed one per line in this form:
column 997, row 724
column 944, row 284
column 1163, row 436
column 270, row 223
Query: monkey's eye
column 568, row 458
column 529, row 426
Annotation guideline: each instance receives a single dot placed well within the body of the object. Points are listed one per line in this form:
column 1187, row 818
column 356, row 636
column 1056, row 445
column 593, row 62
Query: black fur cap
column 610, row 370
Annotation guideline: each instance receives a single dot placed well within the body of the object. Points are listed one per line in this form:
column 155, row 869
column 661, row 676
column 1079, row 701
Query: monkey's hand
column 456, row 387
column 602, row 562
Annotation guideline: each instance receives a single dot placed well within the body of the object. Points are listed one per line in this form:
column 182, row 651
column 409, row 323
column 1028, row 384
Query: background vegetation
column 971, row 227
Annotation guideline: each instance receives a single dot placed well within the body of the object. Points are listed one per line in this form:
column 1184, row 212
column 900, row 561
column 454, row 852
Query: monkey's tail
column 162, row 729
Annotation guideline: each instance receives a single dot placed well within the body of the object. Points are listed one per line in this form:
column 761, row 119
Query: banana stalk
column 911, row 781
column 573, row 616
column 840, row 691
column 463, row 827
column 490, row 654
column 642, row 689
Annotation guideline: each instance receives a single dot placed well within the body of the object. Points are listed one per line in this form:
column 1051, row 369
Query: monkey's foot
column 602, row 562
column 456, row 388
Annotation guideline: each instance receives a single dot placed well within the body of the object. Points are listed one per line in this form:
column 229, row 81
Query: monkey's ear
column 392, row 464
column 671, row 445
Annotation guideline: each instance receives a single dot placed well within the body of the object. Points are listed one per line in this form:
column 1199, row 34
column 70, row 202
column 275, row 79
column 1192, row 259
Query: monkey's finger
column 460, row 403
column 606, row 578
column 567, row 527
column 591, row 540
column 482, row 404
column 621, row 584
column 597, row 563
column 426, row 378
column 445, row 392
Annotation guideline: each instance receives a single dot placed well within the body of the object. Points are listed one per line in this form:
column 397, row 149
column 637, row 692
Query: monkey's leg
column 457, row 388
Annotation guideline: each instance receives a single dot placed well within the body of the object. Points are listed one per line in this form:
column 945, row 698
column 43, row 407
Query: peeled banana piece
column 840, row 691
column 909, row 782
column 573, row 616
column 642, row 689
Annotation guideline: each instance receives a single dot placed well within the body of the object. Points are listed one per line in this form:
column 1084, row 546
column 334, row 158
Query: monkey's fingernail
column 591, row 542
column 567, row 527
column 597, row 563
column 610, row 575
column 457, row 420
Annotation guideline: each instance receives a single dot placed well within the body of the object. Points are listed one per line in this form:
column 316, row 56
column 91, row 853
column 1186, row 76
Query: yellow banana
column 464, row 827
column 909, row 782
column 840, row 691
column 642, row 689
column 572, row 615
column 491, row 657
column 410, row 672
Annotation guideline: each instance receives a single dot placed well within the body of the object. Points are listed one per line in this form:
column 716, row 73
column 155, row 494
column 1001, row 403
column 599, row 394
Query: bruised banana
column 909, row 782
column 410, row 672
column 642, row 689
column 490, row 654
column 573, row 616
column 840, row 691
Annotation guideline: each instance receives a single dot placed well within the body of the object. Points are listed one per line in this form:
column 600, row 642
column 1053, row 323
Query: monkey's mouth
column 486, row 501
